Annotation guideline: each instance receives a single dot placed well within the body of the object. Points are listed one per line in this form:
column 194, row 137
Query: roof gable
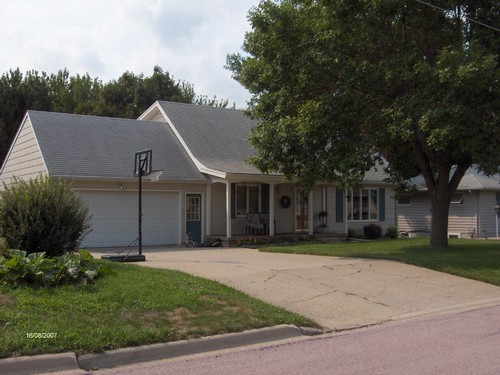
column 217, row 138
column 24, row 159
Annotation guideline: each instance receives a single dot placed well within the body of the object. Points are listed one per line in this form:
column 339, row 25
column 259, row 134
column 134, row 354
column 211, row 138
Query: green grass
column 134, row 306
column 474, row 259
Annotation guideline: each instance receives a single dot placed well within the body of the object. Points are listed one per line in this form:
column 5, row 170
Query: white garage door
column 115, row 218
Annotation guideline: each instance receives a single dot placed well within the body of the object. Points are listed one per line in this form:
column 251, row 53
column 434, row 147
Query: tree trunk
column 440, row 201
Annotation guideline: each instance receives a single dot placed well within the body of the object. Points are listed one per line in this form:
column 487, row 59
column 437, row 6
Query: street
column 461, row 343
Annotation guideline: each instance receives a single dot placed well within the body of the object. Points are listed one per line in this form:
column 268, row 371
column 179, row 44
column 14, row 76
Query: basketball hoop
column 155, row 175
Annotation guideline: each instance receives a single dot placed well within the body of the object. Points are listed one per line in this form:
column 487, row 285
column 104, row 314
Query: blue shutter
column 498, row 198
column 381, row 204
column 339, row 205
column 264, row 198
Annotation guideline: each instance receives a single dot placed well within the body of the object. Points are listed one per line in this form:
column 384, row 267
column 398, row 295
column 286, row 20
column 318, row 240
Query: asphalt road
column 460, row 343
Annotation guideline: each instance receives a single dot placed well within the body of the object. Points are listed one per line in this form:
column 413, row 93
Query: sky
column 189, row 39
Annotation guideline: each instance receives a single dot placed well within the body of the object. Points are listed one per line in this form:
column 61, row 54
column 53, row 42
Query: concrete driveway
column 338, row 293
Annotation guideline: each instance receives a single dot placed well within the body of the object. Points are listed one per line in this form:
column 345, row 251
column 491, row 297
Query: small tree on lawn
column 42, row 215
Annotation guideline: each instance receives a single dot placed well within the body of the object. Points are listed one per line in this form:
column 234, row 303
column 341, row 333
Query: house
column 206, row 187
column 471, row 212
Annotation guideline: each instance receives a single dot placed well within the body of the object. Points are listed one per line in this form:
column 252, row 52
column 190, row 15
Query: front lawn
column 133, row 306
column 474, row 259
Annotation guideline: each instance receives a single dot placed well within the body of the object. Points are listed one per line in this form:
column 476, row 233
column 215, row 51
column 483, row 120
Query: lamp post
column 497, row 213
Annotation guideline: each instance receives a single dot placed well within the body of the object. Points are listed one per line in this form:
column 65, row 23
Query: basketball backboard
column 143, row 163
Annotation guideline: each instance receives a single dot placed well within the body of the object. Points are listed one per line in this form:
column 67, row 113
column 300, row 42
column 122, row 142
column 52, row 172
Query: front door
column 301, row 210
column 193, row 216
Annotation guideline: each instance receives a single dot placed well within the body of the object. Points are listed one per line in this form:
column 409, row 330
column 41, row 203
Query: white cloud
column 189, row 39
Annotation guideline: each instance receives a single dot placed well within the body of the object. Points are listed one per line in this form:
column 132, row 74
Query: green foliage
column 42, row 215
column 336, row 82
column 128, row 308
column 392, row 232
column 372, row 231
column 352, row 233
column 17, row 267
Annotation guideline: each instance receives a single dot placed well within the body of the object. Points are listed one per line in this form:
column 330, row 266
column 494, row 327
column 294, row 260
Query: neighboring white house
column 206, row 187
column 471, row 213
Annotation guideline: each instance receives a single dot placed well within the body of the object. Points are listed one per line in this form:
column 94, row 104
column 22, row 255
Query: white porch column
column 310, row 213
column 209, row 210
column 271, row 209
column 228, row 209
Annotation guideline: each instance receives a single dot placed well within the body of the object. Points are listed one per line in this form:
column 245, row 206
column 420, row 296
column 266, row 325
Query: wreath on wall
column 285, row 201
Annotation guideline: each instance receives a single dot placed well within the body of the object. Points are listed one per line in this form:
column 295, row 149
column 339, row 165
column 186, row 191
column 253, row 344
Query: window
column 457, row 198
column 247, row 199
column 193, row 208
column 362, row 204
column 404, row 200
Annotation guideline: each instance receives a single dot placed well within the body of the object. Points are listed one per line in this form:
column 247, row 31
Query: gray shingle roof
column 472, row 180
column 217, row 137
column 90, row 146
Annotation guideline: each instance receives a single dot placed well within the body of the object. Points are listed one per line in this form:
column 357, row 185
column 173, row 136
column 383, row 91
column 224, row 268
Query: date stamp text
column 41, row 335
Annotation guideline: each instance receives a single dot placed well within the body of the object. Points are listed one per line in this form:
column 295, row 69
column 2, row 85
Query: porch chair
column 254, row 226
column 264, row 220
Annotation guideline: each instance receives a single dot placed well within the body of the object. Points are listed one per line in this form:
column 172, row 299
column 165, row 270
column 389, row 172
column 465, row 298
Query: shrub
column 18, row 267
column 392, row 232
column 352, row 233
column 42, row 215
column 372, row 231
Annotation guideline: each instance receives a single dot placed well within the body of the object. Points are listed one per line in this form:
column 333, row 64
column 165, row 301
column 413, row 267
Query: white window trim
column 247, row 204
column 461, row 201
column 350, row 193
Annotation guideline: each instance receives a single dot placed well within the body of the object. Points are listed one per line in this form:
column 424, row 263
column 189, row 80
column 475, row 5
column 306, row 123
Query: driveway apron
column 338, row 293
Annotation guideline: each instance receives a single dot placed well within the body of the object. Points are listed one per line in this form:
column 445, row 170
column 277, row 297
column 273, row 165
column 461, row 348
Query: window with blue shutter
column 381, row 204
column 339, row 205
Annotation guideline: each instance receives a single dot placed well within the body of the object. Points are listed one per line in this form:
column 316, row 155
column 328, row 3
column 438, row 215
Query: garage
column 115, row 218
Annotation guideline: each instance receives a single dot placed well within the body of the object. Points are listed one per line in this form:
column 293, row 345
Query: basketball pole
column 140, row 211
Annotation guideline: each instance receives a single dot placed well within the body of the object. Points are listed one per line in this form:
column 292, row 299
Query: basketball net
column 155, row 175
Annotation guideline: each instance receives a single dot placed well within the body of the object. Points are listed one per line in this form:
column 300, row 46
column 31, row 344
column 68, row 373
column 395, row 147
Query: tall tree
column 336, row 84
column 75, row 94
column 17, row 94
column 132, row 94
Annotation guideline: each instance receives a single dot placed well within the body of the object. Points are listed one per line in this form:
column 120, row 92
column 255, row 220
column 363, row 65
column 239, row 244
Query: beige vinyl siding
column 474, row 216
column 218, row 212
column 415, row 217
column 487, row 220
column 462, row 218
column 24, row 160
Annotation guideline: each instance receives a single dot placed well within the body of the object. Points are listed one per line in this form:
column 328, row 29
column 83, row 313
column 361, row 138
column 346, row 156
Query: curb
column 39, row 364
column 119, row 357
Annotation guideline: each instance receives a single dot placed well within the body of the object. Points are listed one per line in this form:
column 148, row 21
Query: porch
column 256, row 208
